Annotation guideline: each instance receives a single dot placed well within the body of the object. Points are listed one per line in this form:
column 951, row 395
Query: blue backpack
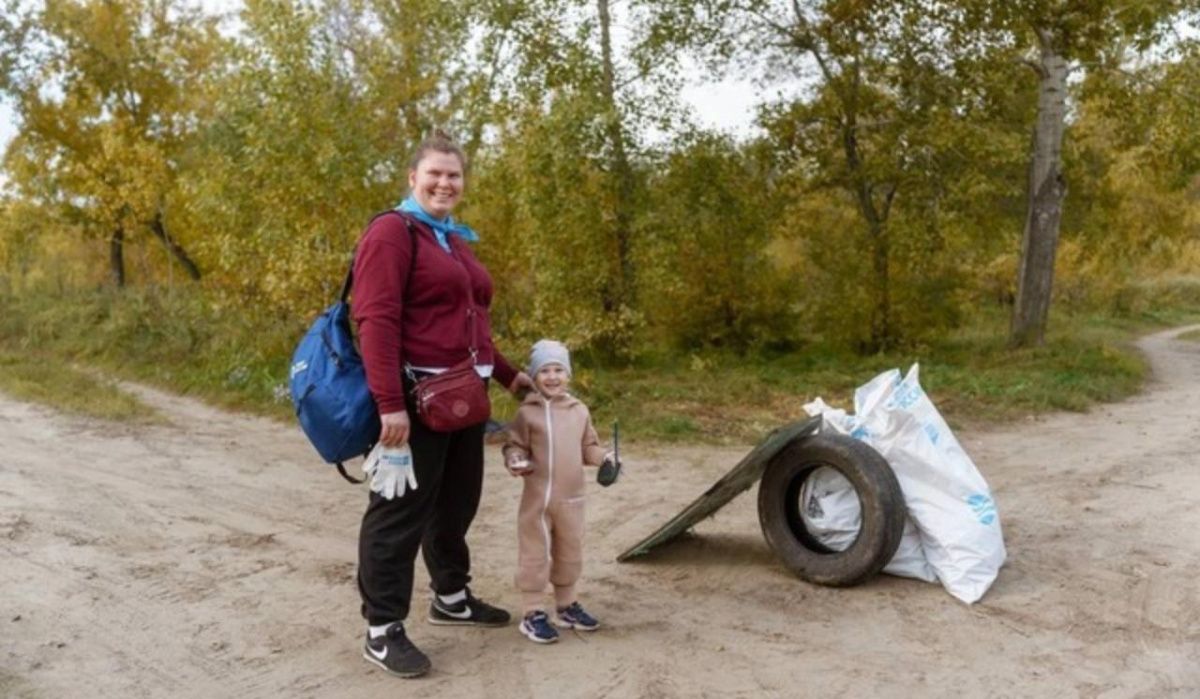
column 329, row 384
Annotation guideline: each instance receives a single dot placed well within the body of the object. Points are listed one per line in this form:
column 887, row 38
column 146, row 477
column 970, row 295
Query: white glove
column 391, row 471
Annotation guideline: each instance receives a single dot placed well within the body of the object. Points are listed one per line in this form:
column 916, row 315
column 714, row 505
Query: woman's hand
column 521, row 385
column 394, row 428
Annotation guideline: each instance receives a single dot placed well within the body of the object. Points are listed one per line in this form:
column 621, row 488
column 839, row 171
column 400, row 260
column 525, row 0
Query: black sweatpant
column 434, row 517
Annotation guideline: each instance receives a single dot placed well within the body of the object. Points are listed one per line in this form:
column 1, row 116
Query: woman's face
column 437, row 183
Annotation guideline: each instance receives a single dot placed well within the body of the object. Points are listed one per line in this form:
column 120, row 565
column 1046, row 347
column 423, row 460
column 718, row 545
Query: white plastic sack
column 948, row 500
column 833, row 515
column 830, row 509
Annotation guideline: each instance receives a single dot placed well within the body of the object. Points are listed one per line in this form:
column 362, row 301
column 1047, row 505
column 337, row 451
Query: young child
column 549, row 442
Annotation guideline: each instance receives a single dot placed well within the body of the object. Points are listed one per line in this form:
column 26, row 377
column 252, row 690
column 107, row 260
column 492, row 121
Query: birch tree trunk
column 1047, row 189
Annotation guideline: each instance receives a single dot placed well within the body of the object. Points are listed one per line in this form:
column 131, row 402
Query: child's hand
column 517, row 464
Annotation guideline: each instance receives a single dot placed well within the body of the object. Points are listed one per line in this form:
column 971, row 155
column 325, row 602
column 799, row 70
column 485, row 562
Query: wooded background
column 928, row 160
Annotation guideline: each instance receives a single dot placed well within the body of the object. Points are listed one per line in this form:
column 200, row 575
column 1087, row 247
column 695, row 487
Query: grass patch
column 61, row 386
column 178, row 341
column 1193, row 335
column 192, row 345
column 972, row 376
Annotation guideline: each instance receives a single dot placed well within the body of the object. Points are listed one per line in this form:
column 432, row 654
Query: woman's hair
column 440, row 142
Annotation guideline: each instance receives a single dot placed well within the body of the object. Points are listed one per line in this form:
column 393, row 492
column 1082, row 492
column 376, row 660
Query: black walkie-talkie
column 611, row 468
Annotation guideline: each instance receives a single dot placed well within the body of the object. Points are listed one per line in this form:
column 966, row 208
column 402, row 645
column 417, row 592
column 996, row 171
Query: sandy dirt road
column 214, row 557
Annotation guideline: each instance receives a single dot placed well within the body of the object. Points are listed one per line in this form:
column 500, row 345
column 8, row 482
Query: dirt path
column 214, row 557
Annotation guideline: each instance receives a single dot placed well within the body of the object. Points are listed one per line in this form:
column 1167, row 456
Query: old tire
column 879, row 494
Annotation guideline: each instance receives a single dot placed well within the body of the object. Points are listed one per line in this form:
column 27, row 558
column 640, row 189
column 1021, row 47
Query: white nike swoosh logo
column 464, row 614
column 379, row 656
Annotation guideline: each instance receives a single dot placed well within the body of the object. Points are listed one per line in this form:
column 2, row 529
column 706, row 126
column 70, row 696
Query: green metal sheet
column 739, row 479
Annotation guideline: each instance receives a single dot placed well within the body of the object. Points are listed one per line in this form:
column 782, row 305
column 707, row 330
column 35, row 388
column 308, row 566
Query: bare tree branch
column 1032, row 64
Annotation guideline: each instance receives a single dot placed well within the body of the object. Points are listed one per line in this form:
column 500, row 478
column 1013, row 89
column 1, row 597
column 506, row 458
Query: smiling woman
column 421, row 300
column 436, row 179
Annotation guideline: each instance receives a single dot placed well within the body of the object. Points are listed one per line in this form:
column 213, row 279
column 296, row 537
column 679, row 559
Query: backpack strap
column 412, row 261
column 342, row 470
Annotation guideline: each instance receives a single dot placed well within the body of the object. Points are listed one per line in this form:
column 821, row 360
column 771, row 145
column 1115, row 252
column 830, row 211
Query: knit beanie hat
column 549, row 352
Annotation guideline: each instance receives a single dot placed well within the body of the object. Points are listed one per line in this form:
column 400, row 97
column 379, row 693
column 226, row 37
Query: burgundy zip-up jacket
column 448, row 299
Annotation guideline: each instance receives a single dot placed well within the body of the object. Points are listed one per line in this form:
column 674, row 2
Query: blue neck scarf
column 442, row 228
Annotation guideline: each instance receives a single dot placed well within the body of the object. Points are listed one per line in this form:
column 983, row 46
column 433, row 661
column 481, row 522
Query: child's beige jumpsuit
column 557, row 437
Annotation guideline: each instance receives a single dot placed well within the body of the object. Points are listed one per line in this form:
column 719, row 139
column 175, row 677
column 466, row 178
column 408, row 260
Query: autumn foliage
column 879, row 201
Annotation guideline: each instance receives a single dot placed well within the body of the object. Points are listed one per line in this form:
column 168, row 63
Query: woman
column 409, row 328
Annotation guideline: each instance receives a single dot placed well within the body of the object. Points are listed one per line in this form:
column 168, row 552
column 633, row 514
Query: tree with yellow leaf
column 102, row 92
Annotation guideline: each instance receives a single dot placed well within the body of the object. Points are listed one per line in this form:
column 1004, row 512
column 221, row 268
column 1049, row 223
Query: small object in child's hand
column 518, row 463
column 611, row 468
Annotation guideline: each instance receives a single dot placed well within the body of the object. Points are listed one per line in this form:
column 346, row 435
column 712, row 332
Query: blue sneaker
column 536, row 627
column 573, row 617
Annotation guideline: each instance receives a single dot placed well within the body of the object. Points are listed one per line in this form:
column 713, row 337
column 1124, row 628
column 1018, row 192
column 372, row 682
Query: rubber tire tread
column 883, row 509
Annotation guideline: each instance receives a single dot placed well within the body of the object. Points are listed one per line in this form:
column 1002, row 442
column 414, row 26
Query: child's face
column 552, row 380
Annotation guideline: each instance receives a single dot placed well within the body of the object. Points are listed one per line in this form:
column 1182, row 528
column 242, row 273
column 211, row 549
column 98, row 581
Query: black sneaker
column 471, row 611
column 395, row 653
